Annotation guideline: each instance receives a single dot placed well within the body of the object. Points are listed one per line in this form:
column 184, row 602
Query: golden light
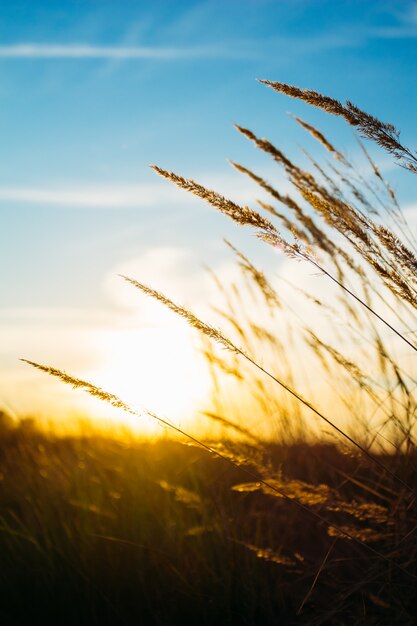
column 158, row 368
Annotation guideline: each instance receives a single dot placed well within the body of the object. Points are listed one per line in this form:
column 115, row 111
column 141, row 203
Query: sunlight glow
column 156, row 368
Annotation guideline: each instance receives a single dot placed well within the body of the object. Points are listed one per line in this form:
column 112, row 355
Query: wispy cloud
column 393, row 32
column 87, row 51
column 103, row 196
column 244, row 49
column 124, row 195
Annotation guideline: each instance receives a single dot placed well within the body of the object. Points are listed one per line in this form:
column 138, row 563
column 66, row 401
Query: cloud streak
column 87, row 51
column 130, row 195
column 237, row 50
column 103, row 196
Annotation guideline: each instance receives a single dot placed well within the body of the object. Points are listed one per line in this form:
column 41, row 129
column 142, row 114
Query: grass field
column 95, row 530
column 310, row 521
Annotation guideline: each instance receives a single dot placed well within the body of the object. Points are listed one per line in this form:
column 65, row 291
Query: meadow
column 309, row 520
column 103, row 531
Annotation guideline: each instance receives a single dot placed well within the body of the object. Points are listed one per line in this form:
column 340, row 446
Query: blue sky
column 93, row 92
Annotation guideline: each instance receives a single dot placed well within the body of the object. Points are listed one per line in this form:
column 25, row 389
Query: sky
column 92, row 92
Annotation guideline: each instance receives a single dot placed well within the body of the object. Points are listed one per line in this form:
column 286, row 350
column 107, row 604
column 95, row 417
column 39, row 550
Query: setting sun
column 156, row 368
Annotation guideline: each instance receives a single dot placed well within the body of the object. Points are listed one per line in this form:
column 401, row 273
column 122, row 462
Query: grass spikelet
column 240, row 214
column 266, row 146
column 383, row 134
column 258, row 277
column 78, row 383
column 206, row 329
column 284, row 199
column 314, row 132
column 270, row 555
column 241, row 430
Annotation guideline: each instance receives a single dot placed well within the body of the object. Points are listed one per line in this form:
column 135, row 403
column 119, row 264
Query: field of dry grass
column 95, row 530
column 314, row 523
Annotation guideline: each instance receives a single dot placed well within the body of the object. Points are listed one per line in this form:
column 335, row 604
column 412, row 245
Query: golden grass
column 352, row 231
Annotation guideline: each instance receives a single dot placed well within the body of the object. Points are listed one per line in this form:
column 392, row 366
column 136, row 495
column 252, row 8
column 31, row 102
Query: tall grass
column 348, row 226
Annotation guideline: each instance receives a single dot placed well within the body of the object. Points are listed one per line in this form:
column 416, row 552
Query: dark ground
column 99, row 531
